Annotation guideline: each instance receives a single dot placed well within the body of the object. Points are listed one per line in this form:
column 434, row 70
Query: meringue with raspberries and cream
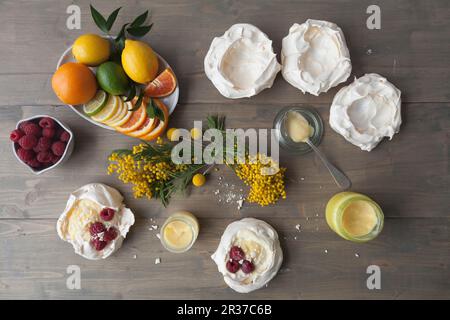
column 241, row 63
column 95, row 221
column 366, row 111
column 315, row 56
column 249, row 254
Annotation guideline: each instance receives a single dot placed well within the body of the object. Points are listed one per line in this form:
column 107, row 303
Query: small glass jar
column 179, row 232
column 354, row 216
column 282, row 135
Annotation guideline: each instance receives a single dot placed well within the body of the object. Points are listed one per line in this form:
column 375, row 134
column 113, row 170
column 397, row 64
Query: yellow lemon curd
column 354, row 216
column 179, row 232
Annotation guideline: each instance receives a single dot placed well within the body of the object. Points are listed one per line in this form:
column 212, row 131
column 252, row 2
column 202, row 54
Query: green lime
column 112, row 78
column 96, row 104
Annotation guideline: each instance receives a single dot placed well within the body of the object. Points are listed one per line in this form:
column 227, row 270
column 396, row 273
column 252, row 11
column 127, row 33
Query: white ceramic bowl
column 64, row 157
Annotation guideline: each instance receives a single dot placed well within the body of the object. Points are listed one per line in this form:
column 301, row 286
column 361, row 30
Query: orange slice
column 161, row 126
column 136, row 120
column 162, row 86
column 148, row 126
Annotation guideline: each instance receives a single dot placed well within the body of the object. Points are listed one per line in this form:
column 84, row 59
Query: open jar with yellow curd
column 179, row 232
column 354, row 216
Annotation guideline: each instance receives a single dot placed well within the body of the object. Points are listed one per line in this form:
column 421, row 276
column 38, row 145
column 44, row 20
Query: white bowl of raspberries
column 41, row 143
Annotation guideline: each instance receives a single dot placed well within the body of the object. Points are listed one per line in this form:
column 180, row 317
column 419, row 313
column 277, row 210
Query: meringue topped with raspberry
column 249, row 254
column 95, row 221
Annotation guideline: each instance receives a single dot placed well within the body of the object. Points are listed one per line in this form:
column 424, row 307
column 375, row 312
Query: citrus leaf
column 99, row 20
column 151, row 109
column 131, row 94
column 139, row 20
column 112, row 18
column 139, row 31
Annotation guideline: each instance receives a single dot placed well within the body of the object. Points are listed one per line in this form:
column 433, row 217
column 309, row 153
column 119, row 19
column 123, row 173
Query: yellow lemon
column 196, row 133
column 91, row 49
column 170, row 133
column 139, row 61
column 198, row 180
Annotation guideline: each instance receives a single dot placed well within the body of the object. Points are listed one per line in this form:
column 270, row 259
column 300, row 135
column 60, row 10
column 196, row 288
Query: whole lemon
column 139, row 61
column 91, row 49
column 198, row 180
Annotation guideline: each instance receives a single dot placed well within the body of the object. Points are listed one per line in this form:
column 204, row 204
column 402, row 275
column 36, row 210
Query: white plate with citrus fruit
column 170, row 101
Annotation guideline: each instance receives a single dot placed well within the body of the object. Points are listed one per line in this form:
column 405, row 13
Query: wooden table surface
column 408, row 176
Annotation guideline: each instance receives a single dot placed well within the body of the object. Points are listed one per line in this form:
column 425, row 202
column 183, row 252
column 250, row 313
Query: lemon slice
column 127, row 106
column 108, row 110
column 96, row 104
column 118, row 114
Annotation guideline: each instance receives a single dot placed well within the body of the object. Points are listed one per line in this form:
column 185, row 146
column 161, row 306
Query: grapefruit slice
column 161, row 126
column 127, row 106
column 162, row 86
column 136, row 120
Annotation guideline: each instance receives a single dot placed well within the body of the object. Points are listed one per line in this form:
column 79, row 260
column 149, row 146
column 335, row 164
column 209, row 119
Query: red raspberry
column 110, row 234
column 236, row 253
column 232, row 266
column 44, row 157
column 65, row 136
column 25, row 155
column 28, row 142
column 33, row 129
column 23, row 124
column 15, row 135
column 43, row 144
column 47, row 123
column 98, row 244
column 34, row 163
column 247, row 266
column 107, row 214
column 55, row 159
column 58, row 148
column 48, row 132
column 96, row 228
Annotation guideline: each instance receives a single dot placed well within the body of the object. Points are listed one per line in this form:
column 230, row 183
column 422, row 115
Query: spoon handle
column 341, row 180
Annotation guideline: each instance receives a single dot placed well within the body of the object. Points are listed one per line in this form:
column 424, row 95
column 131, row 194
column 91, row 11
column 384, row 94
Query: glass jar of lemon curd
column 354, row 216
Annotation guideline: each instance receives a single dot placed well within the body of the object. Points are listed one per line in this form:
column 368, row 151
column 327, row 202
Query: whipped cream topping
column 241, row 63
column 260, row 243
column 315, row 56
column 83, row 208
column 366, row 111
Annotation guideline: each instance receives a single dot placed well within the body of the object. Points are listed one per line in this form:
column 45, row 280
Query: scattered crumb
column 135, row 256
column 357, row 255
column 295, row 238
column 297, row 226
column 217, row 192
column 326, row 251
column 155, row 227
column 369, row 52
column 216, row 169
column 158, row 236
column 157, row 260
column 302, row 179
column 240, row 202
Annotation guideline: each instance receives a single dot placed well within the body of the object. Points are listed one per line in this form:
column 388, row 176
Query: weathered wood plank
column 412, row 254
column 411, row 49
column 407, row 185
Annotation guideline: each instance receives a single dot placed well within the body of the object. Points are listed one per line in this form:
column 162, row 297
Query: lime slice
column 96, row 104
column 108, row 110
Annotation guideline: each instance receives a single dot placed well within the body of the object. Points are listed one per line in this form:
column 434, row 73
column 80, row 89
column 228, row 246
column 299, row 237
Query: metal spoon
column 340, row 178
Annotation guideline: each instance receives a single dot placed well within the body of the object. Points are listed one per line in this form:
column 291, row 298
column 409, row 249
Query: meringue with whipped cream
column 259, row 242
column 366, row 111
column 83, row 209
column 315, row 56
column 241, row 63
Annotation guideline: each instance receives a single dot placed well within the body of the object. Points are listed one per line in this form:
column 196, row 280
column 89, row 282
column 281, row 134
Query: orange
column 74, row 83
column 161, row 126
column 163, row 85
column 136, row 120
